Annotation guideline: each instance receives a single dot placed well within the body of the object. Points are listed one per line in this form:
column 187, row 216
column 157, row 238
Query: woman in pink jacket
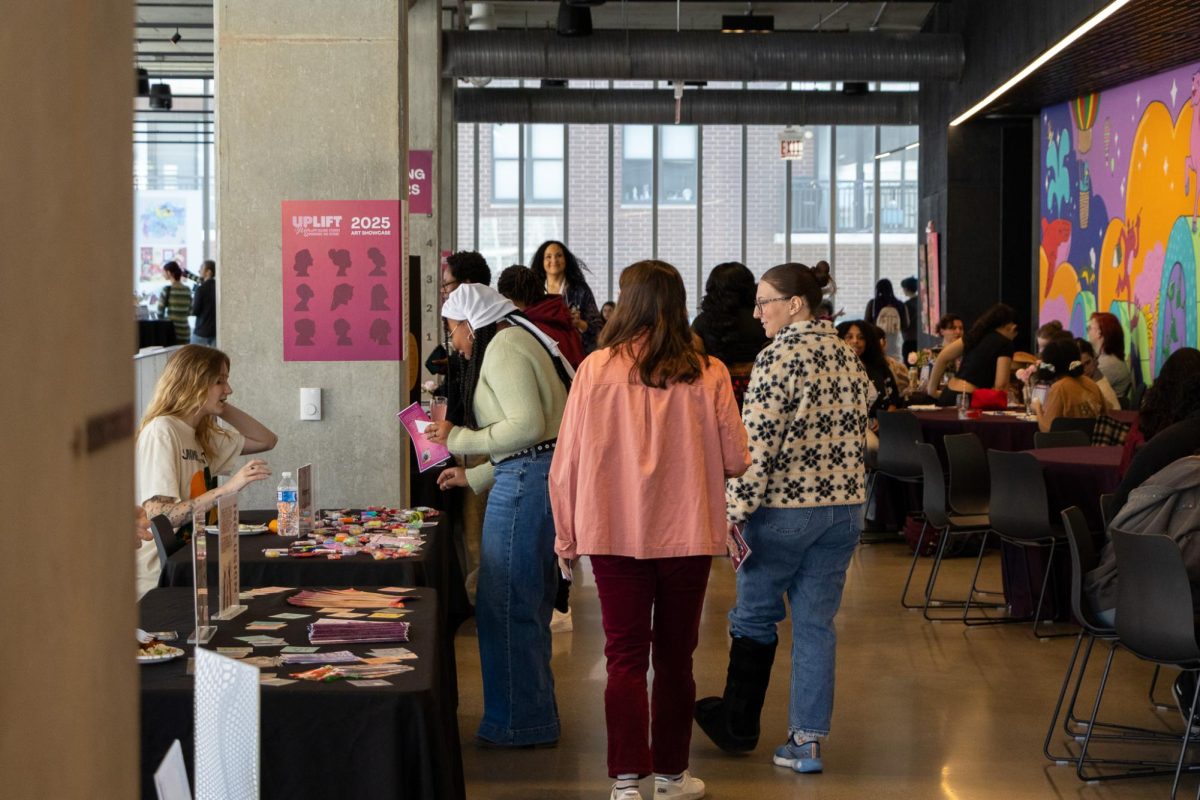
column 649, row 435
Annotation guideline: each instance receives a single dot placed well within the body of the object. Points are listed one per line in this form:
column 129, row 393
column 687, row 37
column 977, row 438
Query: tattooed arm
column 181, row 511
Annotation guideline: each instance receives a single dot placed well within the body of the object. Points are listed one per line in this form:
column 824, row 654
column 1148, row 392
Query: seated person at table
column 1091, row 368
column 1072, row 394
column 986, row 351
column 1105, row 333
column 1168, row 427
column 180, row 440
column 899, row 371
column 1049, row 331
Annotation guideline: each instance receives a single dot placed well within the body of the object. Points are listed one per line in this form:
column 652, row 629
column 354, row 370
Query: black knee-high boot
column 731, row 721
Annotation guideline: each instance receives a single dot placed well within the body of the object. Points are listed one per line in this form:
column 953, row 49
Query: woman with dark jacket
column 986, row 351
column 562, row 273
column 726, row 322
column 864, row 340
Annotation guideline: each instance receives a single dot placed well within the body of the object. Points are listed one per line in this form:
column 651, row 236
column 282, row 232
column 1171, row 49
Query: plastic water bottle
column 288, row 505
column 964, row 405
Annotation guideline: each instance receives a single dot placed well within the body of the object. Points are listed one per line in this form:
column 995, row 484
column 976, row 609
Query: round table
column 1077, row 476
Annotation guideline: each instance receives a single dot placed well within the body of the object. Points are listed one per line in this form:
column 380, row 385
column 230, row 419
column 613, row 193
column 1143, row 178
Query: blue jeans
column 211, row 341
column 518, row 579
column 803, row 553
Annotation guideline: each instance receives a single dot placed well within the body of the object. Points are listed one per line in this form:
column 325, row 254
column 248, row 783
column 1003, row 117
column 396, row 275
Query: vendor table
column 318, row 740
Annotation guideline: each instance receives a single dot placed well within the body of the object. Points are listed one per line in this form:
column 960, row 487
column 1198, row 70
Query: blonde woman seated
column 1072, row 394
column 181, row 445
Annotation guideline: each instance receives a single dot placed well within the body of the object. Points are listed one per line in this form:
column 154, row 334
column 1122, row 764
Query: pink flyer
column 342, row 288
column 428, row 454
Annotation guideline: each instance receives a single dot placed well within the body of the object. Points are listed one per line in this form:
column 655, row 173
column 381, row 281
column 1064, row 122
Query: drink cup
column 437, row 409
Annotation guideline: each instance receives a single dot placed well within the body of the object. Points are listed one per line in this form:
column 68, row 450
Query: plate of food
column 154, row 651
column 243, row 529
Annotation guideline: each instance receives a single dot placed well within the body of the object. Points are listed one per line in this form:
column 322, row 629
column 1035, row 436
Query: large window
column 676, row 164
column 543, row 163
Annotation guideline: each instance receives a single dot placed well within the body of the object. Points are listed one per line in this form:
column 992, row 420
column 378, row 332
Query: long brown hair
column 653, row 308
column 183, row 387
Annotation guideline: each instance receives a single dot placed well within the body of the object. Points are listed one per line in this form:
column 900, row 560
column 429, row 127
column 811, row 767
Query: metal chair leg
column 1037, row 614
column 1062, row 693
column 912, row 567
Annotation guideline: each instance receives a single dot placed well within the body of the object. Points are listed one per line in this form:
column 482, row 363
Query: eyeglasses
column 761, row 303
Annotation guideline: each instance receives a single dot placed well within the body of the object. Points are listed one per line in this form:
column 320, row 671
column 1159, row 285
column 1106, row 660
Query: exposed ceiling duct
column 700, row 107
column 704, row 55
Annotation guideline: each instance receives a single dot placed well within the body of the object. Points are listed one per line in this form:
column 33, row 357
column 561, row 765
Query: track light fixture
column 747, row 23
column 176, row 37
column 574, row 20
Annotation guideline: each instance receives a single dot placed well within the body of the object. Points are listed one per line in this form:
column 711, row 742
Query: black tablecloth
column 1077, row 476
column 318, row 740
column 159, row 332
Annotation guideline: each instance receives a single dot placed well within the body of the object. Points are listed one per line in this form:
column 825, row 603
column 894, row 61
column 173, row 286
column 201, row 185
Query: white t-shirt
column 170, row 463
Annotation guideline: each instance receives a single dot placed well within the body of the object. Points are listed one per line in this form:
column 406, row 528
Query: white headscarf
column 481, row 305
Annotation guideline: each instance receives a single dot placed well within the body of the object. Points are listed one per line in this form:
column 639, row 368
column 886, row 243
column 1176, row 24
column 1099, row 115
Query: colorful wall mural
column 1119, row 205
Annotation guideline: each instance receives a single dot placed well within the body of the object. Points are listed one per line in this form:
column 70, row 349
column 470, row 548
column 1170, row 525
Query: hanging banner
column 420, row 181
column 342, row 294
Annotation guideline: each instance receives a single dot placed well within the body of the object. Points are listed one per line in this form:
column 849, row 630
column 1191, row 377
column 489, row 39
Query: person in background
column 950, row 328
column 175, row 302
column 461, row 268
column 1047, row 332
column 801, row 505
column 515, row 398
column 912, row 312
column 899, row 371
column 204, row 306
column 864, row 339
column 649, row 416
column 1091, row 369
column 886, row 312
column 606, row 311
column 562, row 273
column 182, row 442
column 1105, row 333
column 1072, row 394
column 986, row 352
column 726, row 323
column 548, row 311
column 1172, row 403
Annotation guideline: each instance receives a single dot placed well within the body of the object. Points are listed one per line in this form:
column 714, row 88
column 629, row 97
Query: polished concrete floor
column 922, row 710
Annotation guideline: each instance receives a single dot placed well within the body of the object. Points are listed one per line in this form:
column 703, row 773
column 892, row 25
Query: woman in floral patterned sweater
column 800, row 503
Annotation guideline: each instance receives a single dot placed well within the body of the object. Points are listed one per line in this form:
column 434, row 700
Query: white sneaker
column 625, row 794
column 686, row 788
column 560, row 622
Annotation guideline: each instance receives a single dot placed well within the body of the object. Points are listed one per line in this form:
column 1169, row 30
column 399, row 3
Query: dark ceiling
column 1144, row 38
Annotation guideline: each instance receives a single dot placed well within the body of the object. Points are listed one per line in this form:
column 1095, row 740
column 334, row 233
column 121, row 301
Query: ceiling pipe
column 704, row 55
column 699, row 107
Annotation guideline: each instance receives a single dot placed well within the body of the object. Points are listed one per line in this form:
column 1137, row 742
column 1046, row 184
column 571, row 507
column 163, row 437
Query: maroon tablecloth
column 1077, row 476
column 997, row 432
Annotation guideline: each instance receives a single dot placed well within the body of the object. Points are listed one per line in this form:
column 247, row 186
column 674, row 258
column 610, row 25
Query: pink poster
column 420, row 181
column 342, row 293
column 429, row 454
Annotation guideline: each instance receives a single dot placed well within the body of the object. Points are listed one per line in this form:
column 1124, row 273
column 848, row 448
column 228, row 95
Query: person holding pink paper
column 516, row 385
column 650, row 433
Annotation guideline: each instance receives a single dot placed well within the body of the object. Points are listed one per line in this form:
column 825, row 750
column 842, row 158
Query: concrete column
column 310, row 105
column 424, row 133
column 68, row 679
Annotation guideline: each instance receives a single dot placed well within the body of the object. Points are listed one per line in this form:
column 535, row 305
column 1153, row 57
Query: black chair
column 1084, row 559
column 1083, row 424
column 970, row 480
column 1108, row 510
column 1139, row 393
column 165, row 540
column 898, row 432
column 938, row 518
column 1155, row 621
column 1067, row 438
column 1020, row 515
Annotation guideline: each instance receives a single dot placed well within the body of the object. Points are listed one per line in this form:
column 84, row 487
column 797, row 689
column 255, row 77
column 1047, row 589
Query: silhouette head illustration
column 341, row 260
column 342, row 328
column 306, row 329
column 343, row 293
column 378, row 260
column 302, row 262
column 305, row 293
column 381, row 331
column 379, row 297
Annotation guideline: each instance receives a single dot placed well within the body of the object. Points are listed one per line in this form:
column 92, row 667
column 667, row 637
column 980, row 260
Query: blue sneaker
column 799, row 757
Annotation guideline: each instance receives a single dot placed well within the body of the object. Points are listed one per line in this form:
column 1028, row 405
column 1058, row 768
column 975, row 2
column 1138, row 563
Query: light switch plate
column 310, row 404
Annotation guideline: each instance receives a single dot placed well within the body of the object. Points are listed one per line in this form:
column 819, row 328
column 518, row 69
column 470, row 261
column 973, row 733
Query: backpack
column 888, row 320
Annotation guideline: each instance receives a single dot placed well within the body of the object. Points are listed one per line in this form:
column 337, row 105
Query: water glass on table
column 437, row 409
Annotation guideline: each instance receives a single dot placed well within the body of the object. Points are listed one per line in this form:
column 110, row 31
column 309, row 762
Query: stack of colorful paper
column 351, row 631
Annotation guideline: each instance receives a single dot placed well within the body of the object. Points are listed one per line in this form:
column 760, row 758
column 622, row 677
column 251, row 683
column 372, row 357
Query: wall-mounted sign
column 420, row 181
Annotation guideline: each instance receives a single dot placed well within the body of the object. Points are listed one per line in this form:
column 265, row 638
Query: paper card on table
column 235, row 652
column 741, row 549
column 262, row 641
column 262, row 662
column 288, row 616
column 276, row 681
column 347, row 615
column 330, row 610
column 387, row 615
column 370, row 683
column 382, row 660
column 395, row 589
column 429, row 455
column 265, row 626
column 397, row 652
column 296, row 649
